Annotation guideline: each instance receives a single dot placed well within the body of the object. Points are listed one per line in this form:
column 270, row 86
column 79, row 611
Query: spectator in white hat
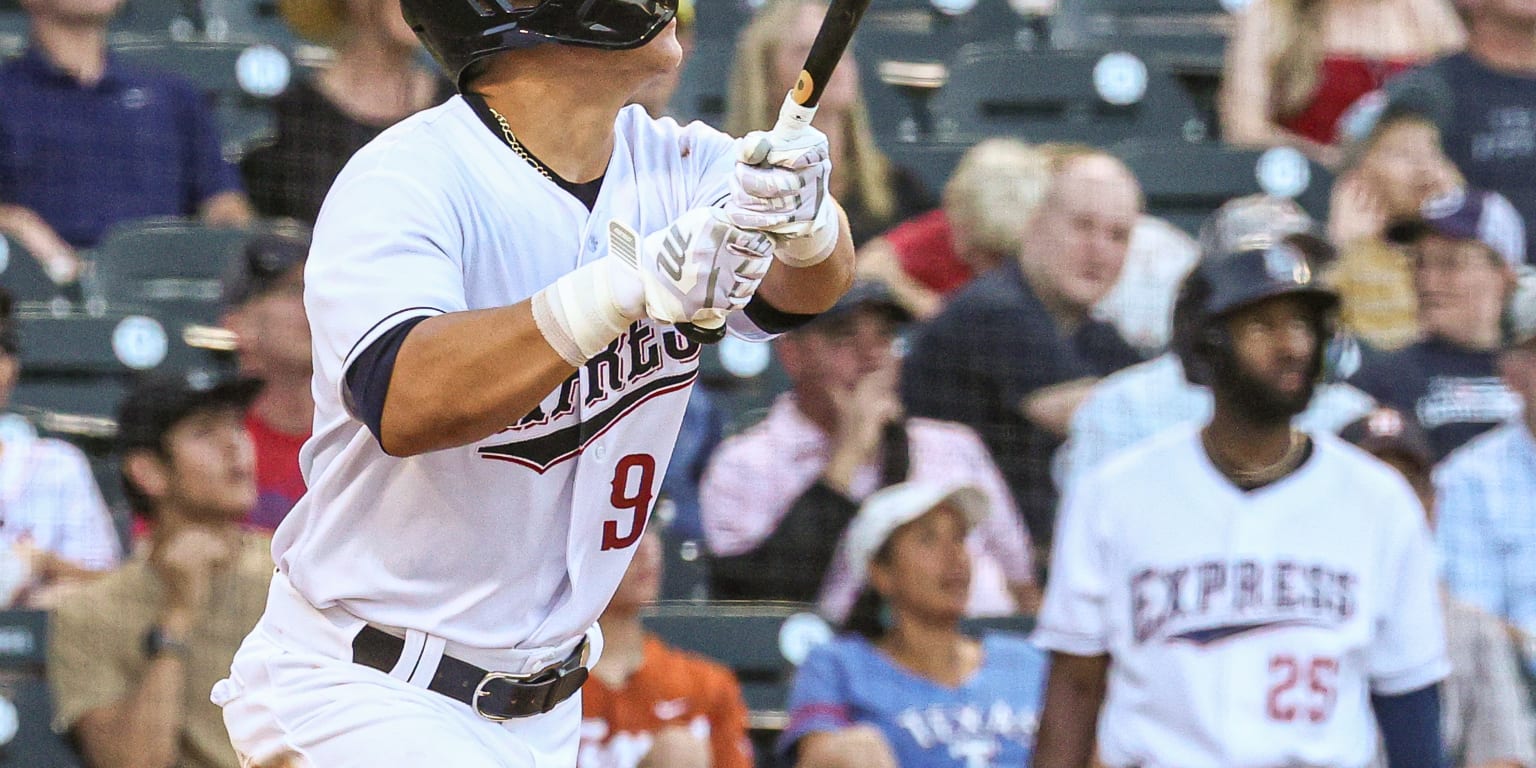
column 903, row 686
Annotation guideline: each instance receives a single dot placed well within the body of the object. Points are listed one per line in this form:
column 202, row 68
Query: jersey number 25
column 1302, row 688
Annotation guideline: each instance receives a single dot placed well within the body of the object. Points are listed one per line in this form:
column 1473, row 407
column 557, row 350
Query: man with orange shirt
column 264, row 307
column 648, row 705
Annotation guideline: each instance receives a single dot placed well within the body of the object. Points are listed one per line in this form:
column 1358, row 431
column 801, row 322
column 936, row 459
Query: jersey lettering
column 1194, row 602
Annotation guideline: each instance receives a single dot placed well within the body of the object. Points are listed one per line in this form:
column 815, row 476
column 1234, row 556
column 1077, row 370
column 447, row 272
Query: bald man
column 1015, row 352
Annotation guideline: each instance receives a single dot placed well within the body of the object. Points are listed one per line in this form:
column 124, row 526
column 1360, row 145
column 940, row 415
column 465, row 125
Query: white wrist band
column 814, row 248
column 582, row 312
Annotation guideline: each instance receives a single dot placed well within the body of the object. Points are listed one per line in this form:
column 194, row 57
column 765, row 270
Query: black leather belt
column 492, row 695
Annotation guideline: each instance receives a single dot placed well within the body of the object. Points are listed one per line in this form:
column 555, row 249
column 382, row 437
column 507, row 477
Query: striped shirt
column 1487, row 526
column 755, row 477
column 49, row 499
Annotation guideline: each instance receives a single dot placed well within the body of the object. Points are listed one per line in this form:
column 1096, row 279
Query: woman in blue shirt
column 904, row 686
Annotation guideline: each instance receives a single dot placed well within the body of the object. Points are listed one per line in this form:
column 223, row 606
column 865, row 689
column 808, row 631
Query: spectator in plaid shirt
column 1485, row 712
column 777, row 498
column 1487, row 493
column 54, row 525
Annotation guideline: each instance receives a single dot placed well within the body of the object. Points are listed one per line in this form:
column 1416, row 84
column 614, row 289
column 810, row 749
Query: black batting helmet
column 459, row 33
column 1223, row 284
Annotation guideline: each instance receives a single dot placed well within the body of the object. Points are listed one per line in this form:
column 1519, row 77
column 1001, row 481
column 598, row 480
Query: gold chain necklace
column 1254, row 478
column 517, row 146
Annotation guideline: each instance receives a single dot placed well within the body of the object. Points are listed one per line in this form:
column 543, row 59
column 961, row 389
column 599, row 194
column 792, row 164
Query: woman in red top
column 1295, row 67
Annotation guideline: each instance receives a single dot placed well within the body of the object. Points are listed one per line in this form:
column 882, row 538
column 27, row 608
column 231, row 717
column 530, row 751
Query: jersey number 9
column 641, row 469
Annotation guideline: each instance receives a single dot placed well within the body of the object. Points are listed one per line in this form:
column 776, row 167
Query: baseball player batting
column 1243, row 595
column 494, row 289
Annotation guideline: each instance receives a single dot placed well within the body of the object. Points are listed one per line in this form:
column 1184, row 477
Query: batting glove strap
column 814, row 248
column 698, row 270
column 582, row 312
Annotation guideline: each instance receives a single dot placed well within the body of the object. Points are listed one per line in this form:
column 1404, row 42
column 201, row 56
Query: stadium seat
column 751, row 639
column 177, row 19
column 81, row 365
column 932, row 161
column 23, row 670
column 1075, row 96
column 1185, row 35
column 1013, row 625
column 241, row 79
column 1184, row 182
column 171, row 267
column 24, row 278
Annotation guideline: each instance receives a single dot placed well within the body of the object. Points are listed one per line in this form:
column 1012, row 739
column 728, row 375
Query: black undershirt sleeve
column 368, row 378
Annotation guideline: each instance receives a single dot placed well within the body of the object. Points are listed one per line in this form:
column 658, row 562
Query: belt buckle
column 481, row 692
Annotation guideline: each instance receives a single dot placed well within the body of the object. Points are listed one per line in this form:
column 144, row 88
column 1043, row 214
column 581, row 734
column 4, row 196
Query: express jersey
column 519, row 539
column 1244, row 629
column 671, row 689
column 988, row 721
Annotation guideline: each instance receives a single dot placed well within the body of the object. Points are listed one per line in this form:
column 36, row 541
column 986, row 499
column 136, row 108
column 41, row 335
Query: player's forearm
column 1074, row 692
column 464, row 376
column 810, row 290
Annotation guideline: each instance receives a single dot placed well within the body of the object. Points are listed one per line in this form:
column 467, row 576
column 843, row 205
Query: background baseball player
column 498, row 384
column 1244, row 594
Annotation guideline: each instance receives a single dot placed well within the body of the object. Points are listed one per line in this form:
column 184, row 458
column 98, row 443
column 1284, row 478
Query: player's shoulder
column 430, row 146
column 1353, row 475
column 1157, row 459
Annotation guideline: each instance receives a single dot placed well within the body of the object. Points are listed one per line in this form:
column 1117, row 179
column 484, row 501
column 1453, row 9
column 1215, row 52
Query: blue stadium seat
column 23, row 669
column 179, row 19
column 1076, row 96
column 932, row 161
column 1186, row 35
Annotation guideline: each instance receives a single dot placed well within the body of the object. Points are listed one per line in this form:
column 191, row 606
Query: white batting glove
column 780, row 187
column 698, row 270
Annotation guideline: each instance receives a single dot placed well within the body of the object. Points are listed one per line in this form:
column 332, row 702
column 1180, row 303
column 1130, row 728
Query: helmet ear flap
column 1191, row 324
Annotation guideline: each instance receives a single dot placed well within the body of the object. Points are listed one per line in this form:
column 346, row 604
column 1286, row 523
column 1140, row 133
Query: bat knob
column 700, row 334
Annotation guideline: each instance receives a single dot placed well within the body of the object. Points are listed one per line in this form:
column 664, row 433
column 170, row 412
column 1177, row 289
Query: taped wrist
column 815, row 247
column 582, row 312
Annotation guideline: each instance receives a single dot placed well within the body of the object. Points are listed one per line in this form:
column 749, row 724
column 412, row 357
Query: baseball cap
column 1467, row 214
column 260, row 265
column 864, row 294
column 894, row 506
column 1387, row 431
column 1259, row 220
column 160, row 400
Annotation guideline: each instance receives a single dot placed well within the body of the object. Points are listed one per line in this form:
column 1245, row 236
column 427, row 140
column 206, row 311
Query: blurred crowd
column 1009, row 332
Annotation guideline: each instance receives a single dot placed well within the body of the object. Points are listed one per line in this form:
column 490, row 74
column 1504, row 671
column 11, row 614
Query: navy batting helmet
column 1226, row 283
column 459, row 33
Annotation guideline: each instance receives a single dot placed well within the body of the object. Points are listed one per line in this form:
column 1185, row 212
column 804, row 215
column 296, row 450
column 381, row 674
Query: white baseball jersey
column 518, row 540
column 1244, row 629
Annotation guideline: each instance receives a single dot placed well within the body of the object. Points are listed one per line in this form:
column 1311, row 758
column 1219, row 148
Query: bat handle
column 701, row 334
column 794, row 118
